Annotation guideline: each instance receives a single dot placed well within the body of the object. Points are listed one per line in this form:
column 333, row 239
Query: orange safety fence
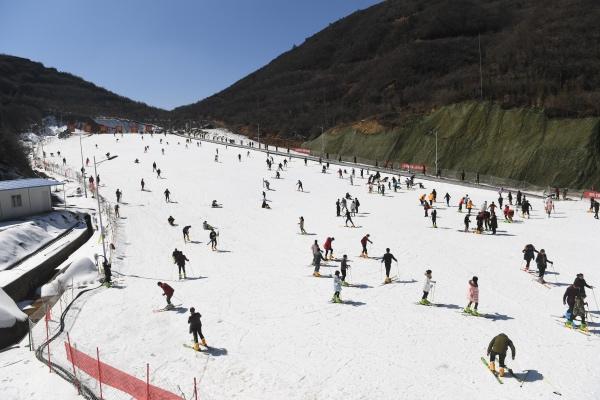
column 108, row 375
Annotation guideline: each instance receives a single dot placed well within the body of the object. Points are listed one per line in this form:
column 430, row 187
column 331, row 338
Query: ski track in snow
column 277, row 333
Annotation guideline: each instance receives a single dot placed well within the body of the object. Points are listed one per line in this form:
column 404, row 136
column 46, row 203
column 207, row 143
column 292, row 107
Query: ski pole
column 553, row 270
column 397, row 270
column 594, row 293
column 433, row 292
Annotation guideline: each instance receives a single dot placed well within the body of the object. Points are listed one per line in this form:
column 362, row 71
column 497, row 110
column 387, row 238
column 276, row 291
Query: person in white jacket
column 427, row 287
column 337, row 287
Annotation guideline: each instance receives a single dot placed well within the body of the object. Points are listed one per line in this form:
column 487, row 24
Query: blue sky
column 163, row 52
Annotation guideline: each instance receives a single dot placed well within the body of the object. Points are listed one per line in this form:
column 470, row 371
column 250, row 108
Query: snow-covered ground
column 272, row 327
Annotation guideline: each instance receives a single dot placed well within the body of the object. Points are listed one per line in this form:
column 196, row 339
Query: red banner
column 408, row 166
column 118, row 379
column 301, row 150
column 589, row 194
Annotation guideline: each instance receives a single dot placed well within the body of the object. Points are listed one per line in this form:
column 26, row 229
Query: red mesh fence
column 108, row 375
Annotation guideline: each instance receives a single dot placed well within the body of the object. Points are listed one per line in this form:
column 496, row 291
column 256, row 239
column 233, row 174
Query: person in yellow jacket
column 469, row 205
column 422, row 199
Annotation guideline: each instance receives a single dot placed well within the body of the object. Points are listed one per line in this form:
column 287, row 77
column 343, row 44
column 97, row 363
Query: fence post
column 48, row 337
column 147, row 381
column 73, row 363
column 99, row 372
column 31, row 344
column 195, row 390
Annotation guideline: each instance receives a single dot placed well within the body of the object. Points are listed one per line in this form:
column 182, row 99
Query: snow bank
column 9, row 312
column 82, row 271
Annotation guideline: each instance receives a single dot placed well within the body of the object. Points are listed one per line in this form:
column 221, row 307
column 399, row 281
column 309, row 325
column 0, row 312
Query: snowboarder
column 364, row 242
column 142, row 183
column 427, row 286
column 528, row 255
column 328, row 248
column 213, row 239
column 186, row 233
column 386, row 259
column 542, row 263
column 167, row 291
column 196, row 328
column 337, row 288
column 498, row 347
column 434, row 218
column 167, row 196
column 473, row 297
column 171, row 220
column 301, row 223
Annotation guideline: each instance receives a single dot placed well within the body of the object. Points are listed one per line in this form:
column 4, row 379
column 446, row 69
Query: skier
column 180, row 260
column 213, row 239
column 299, row 184
column 337, row 208
column 301, row 223
column 510, row 197
column 206, row 226
column 387, row 260
column 118, row 193
column 578, row 311
column 142, row 183
column 541, row 260
column 493, row 223
column 498, row 347
column 349, row 219
column 569, row 298
column 528, row 255
column 427, row 286
column 364, row 242
column 196, row 328
column 447, row 197
column 500, row 200
column 317, row 258
column 167, row 291
column 549, row 206
column 581, row 284
column 328, row 248
column 426, row 207
column 167, row 195
column 344, row 266
column 473, row 297
column 337, row 288
column 525, row 208
column 214, row 204
column 469, row 206
column 467, row 221
column 357, row 203
column 154, row 166
column 186, row 233
column 265, row 204
column 460, row 204
column 158, row 171
column 596, row 208
column 117, row 211
column 171, row 220
column 434, row 218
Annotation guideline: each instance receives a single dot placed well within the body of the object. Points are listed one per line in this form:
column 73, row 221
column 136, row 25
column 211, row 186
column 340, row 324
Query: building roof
column 27, row 183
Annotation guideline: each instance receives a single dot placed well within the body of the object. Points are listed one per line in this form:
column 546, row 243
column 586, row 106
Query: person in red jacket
column 167, row 291
column 328, row 248
column 364, row 242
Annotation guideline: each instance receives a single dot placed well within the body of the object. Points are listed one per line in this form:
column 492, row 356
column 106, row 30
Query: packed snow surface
column 273, row 330
column 81, row 271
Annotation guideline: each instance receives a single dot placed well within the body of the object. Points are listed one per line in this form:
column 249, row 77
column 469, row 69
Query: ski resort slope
column 273, row 330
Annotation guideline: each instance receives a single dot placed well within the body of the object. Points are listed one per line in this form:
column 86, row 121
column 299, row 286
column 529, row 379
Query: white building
column 24, row 197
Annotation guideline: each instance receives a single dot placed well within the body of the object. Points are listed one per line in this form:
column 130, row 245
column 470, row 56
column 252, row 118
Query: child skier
column 473, row 297
column 196, row 328
column 498, row 347
column 337, row 288
column 467, row 221
column 427, row 286
column 167, row 291
column 542, row 263
column 578, row 311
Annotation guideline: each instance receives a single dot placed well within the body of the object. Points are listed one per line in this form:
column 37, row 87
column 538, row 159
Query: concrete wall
column 33, row 201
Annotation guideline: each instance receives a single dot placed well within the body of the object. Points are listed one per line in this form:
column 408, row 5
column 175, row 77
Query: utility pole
column 82, row 167
column 480, row 70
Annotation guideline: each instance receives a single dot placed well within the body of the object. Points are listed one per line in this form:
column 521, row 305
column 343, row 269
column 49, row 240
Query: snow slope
column 274, row 332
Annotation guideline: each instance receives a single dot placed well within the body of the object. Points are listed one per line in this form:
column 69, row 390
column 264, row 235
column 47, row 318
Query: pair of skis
column 510, row 371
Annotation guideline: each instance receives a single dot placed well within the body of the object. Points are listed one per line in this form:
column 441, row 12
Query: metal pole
column 82, row 167
column 99, row 210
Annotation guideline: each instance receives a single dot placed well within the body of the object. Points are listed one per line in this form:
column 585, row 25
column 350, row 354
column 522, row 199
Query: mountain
column 29, row 92
column 394, row 64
